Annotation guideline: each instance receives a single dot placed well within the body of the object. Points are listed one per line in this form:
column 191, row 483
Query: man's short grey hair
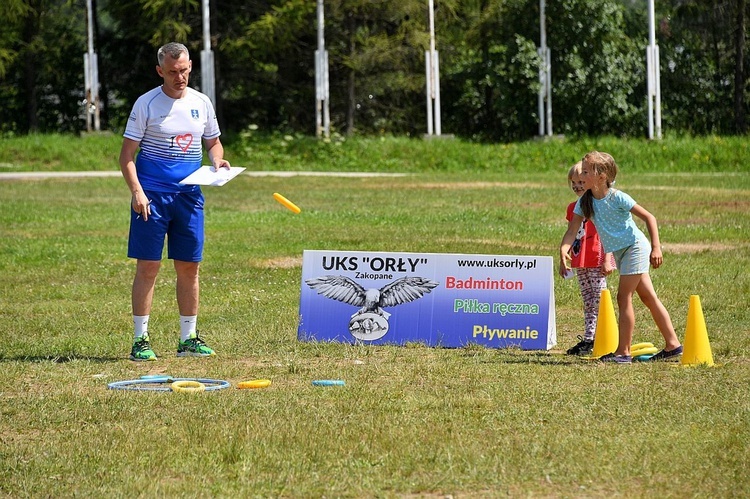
column 173, row 49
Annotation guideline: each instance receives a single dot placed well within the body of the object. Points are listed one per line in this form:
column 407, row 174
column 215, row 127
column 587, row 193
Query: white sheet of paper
column 207, row 175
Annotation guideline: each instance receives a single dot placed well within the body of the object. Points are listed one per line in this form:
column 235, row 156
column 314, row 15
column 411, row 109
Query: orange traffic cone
column 607, row 335
column 696, row 349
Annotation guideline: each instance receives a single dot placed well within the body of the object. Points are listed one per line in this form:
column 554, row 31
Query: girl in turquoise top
column 612, row 212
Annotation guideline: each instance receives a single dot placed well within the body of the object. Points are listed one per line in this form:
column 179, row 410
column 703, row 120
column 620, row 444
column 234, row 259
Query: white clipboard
column 207, row 175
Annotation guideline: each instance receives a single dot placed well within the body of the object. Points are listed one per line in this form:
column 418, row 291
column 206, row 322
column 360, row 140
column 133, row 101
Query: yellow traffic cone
column 607, row 335
column 696, row 349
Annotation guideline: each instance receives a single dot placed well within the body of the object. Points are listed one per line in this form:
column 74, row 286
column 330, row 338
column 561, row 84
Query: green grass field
column 411, row 421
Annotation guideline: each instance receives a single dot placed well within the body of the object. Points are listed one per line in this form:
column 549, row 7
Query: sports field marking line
column 45, row 175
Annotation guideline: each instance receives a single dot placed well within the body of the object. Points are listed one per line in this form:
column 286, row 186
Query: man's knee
column 186, row 269
column 147, row 269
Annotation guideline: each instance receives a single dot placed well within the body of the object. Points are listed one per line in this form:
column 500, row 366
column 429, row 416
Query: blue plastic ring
column 328, row 382
column 162, row 384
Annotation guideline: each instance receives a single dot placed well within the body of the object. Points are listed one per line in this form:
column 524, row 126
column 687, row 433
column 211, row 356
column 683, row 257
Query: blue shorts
column 176, row 216
column 634, row 259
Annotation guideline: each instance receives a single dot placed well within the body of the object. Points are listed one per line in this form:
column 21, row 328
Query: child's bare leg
column 663, row 321
column 626, row 321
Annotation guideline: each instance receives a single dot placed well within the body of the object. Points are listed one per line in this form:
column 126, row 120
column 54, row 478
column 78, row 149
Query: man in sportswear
column 167, row 128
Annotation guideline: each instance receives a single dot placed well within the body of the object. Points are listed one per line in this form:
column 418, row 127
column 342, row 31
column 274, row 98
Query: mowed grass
column 411, row 420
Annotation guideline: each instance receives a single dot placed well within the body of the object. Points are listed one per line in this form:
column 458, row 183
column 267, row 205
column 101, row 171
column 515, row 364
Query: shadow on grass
column 58, row 359
column 512, row 356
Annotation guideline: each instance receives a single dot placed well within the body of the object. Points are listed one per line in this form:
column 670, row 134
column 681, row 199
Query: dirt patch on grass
column 688, row 248
column 476, row 185
column 286, row 262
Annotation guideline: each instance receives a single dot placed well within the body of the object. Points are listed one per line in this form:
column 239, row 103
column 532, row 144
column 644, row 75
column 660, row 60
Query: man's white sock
column 187, row 326
column 141, row 325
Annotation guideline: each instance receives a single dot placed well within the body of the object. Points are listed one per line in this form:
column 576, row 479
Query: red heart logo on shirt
column 184, row 141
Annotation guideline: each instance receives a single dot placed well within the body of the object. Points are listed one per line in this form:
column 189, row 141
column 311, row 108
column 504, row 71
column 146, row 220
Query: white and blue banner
column 442, row 300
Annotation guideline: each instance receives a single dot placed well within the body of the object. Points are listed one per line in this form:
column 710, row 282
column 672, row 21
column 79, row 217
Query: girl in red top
column 592, row 266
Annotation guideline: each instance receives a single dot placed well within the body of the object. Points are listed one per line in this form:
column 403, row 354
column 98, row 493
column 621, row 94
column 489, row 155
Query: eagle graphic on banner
column 372, row 300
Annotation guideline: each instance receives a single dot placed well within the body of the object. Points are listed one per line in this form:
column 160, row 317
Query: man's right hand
column 141, row 205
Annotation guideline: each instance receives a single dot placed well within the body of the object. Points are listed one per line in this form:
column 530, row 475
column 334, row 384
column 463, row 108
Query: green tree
column 704, row 80
column 490, row 70
column 40, row 85
column 265, row 55
column 493, row 72
column 11, row 13
column 376, row 59
column 377, row 49
column 740, row 72
column 265, row 49
column 598, row 69
column 129, row 34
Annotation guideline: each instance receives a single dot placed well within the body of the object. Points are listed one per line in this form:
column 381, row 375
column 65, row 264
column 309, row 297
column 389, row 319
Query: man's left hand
column 222, row 163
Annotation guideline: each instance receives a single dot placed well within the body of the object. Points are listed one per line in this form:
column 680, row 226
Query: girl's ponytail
column 587, row 204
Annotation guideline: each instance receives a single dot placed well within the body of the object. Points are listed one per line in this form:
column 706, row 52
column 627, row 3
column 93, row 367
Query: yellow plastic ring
column 256, row 383
column 187, row 386
column 638, row 346
column 286, row 203
column 644, row 351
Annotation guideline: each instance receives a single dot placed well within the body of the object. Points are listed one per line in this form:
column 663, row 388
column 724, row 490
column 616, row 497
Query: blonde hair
column 576, row 168
column 599, row 162
column 602, row 162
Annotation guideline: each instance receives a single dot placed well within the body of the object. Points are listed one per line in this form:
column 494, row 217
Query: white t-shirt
column 170, row 133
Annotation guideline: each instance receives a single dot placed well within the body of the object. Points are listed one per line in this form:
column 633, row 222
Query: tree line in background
column 489, row 66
